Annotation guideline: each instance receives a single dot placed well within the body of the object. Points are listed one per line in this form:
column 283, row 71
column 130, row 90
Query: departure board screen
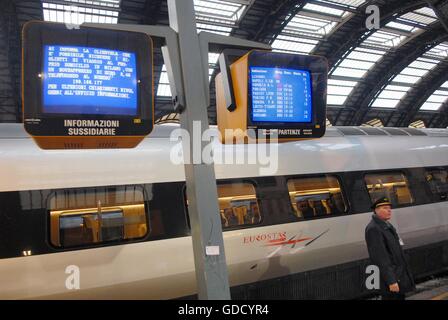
column 86, row 80
column 280, row 95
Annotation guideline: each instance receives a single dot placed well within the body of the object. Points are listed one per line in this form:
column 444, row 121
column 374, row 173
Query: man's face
column 384, row 212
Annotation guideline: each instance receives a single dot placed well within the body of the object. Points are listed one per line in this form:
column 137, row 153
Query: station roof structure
column 396, row 75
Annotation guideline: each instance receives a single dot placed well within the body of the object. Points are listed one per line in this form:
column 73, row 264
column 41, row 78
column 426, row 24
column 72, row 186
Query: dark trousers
column 392, row 296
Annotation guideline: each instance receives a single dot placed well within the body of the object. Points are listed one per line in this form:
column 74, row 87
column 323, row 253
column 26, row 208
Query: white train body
column 163, row 269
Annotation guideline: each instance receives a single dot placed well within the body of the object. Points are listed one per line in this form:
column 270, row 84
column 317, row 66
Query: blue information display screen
column 86, row 80
column 280, row 95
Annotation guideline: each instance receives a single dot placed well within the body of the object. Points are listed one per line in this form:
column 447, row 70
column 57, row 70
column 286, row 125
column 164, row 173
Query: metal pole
column 206, row 230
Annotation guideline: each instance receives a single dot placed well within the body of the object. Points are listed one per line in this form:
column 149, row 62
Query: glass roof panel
column 347, row 3
column 164, row 77
column 308, row 25
column 401, row 26
column 427, row 11
column 400, row 88
column 341, row 83
column 430, row 106
column 323, row 9
column 357, row 63
column 420, row 64
column 384, row 39
column 347, row 72
column 219, row 16
column 293, row 44
column 411, row 75
column 114, row 4
column 439, row 97
column 406, row 79
column 315, row 21
column 212, row 63
column 223, row 12
column 385, row 103
column 423, row 17
column 390, row 94
column 362, row 58
column 439, row 51
column 349, row 63
column 163, row 87
column 409, row 71
column 338, row 90
column 213, row 57
column 430, row 60
column 213, row 28
column 336, row 100
column 163, row 90
column 77, row 13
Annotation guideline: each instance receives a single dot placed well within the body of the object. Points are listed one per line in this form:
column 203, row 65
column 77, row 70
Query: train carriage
column 121, row 216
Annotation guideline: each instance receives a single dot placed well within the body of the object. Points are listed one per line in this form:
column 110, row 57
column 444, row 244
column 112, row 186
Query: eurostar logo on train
column 278, row 239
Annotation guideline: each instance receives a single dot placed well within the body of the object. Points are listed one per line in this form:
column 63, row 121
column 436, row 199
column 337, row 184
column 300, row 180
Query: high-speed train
column 113, row 224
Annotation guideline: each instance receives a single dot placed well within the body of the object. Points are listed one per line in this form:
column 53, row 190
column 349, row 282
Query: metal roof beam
column 431, row 121
column 276, row 20
column 435, row 6
column 151, row 11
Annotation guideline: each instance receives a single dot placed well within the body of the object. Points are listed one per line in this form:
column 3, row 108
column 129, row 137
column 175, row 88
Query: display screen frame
column 317, row 66
column 44, row 106
column 282, row 123
column 37, row 34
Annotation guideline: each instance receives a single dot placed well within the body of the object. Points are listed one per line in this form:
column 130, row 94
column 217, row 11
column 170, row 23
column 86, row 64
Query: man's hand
column 394, row 287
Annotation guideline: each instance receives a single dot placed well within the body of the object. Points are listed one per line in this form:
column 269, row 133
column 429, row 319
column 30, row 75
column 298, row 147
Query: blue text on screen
column 280, row 95
column 86, row 80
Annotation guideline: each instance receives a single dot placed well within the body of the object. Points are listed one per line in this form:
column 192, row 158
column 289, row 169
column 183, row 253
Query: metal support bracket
column 192, row 96
column 170, row 54
column 217, row 43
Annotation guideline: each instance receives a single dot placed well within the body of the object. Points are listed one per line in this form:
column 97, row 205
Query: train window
column 392, row 185
column 316, row 197
column 91, row 216
column 238, row 205
column 438, row 182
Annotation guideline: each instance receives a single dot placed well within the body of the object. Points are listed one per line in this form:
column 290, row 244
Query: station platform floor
column 434, row 289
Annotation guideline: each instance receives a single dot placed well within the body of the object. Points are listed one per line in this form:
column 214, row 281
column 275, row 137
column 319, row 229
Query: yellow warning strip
column 441, row 296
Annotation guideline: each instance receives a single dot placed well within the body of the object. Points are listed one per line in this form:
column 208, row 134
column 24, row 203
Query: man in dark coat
column 386, row 252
